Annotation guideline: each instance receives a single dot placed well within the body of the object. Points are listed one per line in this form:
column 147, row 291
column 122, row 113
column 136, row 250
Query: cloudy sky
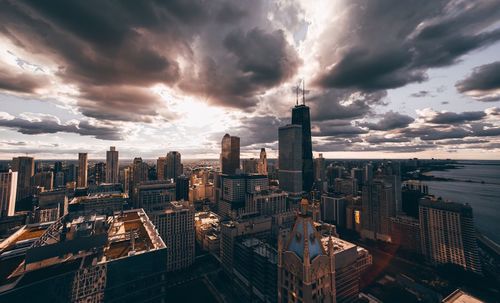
column 384, row 78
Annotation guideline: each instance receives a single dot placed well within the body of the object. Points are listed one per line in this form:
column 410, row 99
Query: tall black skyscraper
column 301, row 116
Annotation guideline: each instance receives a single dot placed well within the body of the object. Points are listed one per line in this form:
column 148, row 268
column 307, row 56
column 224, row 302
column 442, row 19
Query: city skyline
column 383, row 80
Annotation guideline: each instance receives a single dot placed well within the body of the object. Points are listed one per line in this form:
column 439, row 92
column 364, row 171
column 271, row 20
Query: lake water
column 484, row 198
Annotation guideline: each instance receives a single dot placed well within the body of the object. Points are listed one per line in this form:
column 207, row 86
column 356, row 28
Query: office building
column 230, row 154
column 306, row 270
column 350, row 263
column 59, row 180
column 262, row 167
column 266, row 202
column 98, row 204
column 112, row 165
column 207, row 227
column 97, row 258
column 231, row 230
column 82, row 169
column 161, row 164
column 154, row 195
column 174, row 165
column 405, row 233
column 357, row 174
column 99, row 173
column 250, row 166
column 43, row 180
column 255, row 268
column 301, row 116
column 368, row 177
column 333, row 209
column 447, row 234
column 319, row 169
column 25, row 168
column 140, row 171
column 345, row 186
column 333, row 173
column 182, row 188
column 8, row 192
column 378, row 207
column 176, row 227
column 234, row 189
column 290, row 158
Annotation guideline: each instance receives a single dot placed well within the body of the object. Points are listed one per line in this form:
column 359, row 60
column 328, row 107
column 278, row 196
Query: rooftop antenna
column 303, row 92
column 297, row 99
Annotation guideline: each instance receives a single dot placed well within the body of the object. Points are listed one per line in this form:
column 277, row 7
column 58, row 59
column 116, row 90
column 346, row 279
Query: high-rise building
column 112, row 168
column 174, row 165
column 250, row 166
column 154, row 195
column 99, row 173
column 266, row 202
column 262, row 167
column 8, row 192
column 176, row 227
column 230, row 154
column 302, row 117
column 306, row 270
column 25, row 168
column 161, row 164
column 43, row 179
column 378, row 207
column 319, row 168
column 101, row 258
column 405, row 233
column 290, row 158
column 82, row 169
column 368, row 177
column 234, row 191
column 357, row 173
column 59, row 179
column 182, row 188
column 140, row 171
column 333, row 209
column 447, row 234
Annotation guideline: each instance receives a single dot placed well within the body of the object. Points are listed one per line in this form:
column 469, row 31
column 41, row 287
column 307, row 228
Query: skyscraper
column 302, row 117
column 230, row 154
column 176, row 227
column 82, row 169
column 25, row 168
column 306, row 270
column 378, row 207
column 112, row 165
column 161, row 163
column 43, row 179
column 262, row 167
column 182, row 188
column 174, row 165
column 250, row 166
column 99, row 172
column 8, row 192
column 319, row 168
column 447, row 234
column 290, row 158
column 140, row 171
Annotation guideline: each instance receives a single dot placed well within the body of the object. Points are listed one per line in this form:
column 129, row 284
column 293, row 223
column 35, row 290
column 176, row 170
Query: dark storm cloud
column 483, row 80
column 338, row 128
column 455, row 118
column 47, row 124
column 387, row 44
column 20, row 82
column 390, row 120
column 225, row 51
column 343, row 104
column 384, row 139
column 254, row 130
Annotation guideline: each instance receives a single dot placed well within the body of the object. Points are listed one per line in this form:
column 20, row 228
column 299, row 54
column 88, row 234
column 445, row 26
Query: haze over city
column 384, row 79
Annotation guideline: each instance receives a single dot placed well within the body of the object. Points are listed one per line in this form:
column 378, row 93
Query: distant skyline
column 384, row 79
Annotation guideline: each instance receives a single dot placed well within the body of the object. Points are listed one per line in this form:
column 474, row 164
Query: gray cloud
column 390, row 120
column 482, row 82
column 421, row 94
column 417, row 36
column 455, row 118
column 47, row 124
